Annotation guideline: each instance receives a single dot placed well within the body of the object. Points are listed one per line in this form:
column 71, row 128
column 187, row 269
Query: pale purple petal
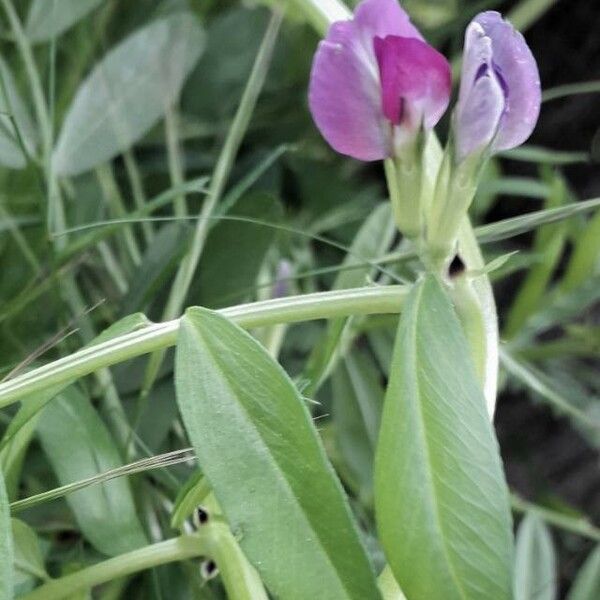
column 416, row 81
column 477, row 118
column 345, row 95
column 380, row 18
column 517, row 67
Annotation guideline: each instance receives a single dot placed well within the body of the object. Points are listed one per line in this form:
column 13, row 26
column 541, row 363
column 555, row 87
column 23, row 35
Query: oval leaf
column 128, row 92
column 49, row 18
column 78, row 446
column 441, row 500
column 535, row 564
column 258, row 448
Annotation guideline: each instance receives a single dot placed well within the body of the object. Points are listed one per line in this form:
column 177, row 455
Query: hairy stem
column 322, row 305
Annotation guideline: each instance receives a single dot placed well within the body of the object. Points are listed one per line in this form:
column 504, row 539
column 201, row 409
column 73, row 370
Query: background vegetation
column 290, row 217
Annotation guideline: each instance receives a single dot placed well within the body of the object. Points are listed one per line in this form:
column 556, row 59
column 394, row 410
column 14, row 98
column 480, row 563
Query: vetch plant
column 274, row 456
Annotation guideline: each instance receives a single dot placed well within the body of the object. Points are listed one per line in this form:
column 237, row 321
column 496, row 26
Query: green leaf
column 28, row 559
column 356, row 411
column 535, row 563
column 587, row 583
column 441, row 501
column 584, row 258
column 549, row 244
column 6, row 546
column 78, row 445
column 49, row 18
column 158, row 264
column 545, row 155
column 13, row 111
column 192, row 494
column 127, row 92
column 507, row 228
column 257, row 446
column 571, row 89
column 235, row 252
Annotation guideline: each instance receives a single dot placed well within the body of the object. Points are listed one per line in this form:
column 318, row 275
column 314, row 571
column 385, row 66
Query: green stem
column 174, row 158
column 292, row 309
column 137, row 189
column 176, row 549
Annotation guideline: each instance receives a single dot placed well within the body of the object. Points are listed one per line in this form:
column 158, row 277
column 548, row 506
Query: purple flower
column 500, row 95
column 375, row 82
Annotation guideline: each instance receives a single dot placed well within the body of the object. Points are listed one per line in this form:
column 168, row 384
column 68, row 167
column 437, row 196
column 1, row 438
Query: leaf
column 356, row 411
column 507, row 228
column 128, row 92
column 78, row 445
column 235, row 252
column 28, row 559
column 191, row 494
column 49, row 18
column 571, row 89
column 441, row 501
column 158, row 263
column 543, row 387
column 257, row 446
column 515, row 186
column 12, row 105
column 545, row 155
column 535, row 564
column 549, row 243
column 583, row 263
column 6, row 546
column 587, row 582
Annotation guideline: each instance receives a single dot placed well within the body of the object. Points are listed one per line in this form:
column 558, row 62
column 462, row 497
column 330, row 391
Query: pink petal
column 345, row 90
column 416, row 81
column 518, row 69
column 345, row 96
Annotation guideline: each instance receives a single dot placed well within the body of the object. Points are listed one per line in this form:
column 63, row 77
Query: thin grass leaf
column 540, row 155
column 587, row 582
column 502, row 230
column 571, row 89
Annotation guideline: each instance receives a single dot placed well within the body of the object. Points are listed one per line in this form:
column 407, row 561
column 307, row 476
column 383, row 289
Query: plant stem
column 174, row 158
column 176, row 549
column 292, row 309
column 137, row 189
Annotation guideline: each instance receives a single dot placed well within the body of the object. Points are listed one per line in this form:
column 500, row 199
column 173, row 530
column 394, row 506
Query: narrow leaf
column 535, row 566
column 127, row 92
column 15, row 123
column 28, row 560
column 78, row 445
column 262, row 457
column 507, row 228
column 587, row 583
column 441, row 501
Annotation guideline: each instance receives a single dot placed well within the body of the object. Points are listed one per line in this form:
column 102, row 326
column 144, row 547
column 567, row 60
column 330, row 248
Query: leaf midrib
column 425, row 443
